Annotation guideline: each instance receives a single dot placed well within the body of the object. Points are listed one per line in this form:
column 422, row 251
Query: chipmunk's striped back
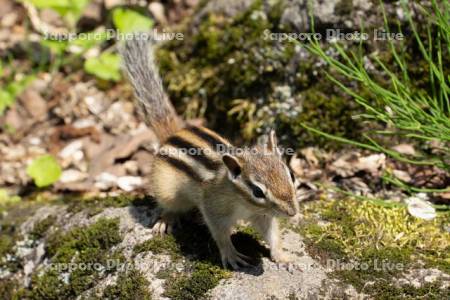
column 195, row 152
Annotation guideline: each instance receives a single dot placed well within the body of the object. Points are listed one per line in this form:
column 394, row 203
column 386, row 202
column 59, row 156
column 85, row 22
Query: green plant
column 365, row 234
column 85, row 245
column 129, row 21
column 408, row 111
column 40, row 228
column 6, row 199
column 44, row 170
column 130, row 284
column 11, row 90
column 230, row 72
column 106, row 66
column 70, row 10
column 195, row 285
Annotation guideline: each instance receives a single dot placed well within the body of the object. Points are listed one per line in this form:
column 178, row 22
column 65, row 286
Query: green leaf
column 9, row 93
column 55, row 46
column 5, row 198
column 129, row 21
column 6, row 100
column 50, row 3
column 71, row 10
column 89, row 39
column 106, row 66
column 44, row 170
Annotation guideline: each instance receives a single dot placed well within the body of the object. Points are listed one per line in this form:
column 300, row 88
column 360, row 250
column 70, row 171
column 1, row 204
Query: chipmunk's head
column 263, row 178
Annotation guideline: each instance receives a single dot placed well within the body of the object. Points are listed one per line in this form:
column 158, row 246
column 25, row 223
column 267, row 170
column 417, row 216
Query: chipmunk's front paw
column 234, row 259
column 164, row 224
column 162, row 227
column 280, row 256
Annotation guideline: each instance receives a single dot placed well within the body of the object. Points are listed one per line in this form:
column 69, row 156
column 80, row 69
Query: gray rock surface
column 302, row 278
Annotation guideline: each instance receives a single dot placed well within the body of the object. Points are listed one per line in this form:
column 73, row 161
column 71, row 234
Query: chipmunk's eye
column 257, row 192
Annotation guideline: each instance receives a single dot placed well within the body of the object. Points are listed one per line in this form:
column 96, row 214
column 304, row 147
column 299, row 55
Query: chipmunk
column 189, row 172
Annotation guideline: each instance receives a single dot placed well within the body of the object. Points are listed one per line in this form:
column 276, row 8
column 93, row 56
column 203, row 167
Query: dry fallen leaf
column 310, row 156
column 297, row 165
column 72, row 175
column 406, row 149
column 402, row 175
column 349, row 164
column 35, row 105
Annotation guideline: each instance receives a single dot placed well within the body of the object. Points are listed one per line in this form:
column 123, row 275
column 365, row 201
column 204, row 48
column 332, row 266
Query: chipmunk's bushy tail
column 158, row 112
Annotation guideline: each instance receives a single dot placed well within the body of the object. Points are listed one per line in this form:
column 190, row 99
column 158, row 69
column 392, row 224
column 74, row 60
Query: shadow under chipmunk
column 195, row 243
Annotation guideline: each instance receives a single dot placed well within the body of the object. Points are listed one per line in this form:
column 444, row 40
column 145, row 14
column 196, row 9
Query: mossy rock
column 129, row 285
column 95, row 205
column 368, row 243
column 40, row 228
column 196, row 284
column 87, row 249
column 195, row 260
column 228, row 70
column 8, row 288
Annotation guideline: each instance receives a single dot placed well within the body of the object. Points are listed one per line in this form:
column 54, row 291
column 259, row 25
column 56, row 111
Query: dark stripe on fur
column 196, row 152
column 213, row 141
column 182, row 166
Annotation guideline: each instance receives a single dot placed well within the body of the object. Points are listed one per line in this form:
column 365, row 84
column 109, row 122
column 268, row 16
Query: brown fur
column 225, row 187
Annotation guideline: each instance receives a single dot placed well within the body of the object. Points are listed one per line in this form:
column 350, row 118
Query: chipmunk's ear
column 272, row 143
column 233, row 165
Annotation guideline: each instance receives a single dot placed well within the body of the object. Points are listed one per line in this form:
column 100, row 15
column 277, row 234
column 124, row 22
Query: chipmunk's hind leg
column 165, row 223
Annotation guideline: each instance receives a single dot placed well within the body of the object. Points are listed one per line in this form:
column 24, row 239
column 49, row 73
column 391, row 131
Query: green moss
column 331, row 113
column 226, row 70
column 160, row 245
column 198, row 276
column 193, row 248
column 95, row 205
column 8, row 289
column 130, row 285
column 6, row 244
column 230, row 72
column 41, row 227
column 442, row 264
column 250, row 231
column 224, row 60
column 201, row 270
column 361, row 225
column 100, row 236
column 375, row 266
column 194, row 286
column 371, row 243
column 48, row 286
column 344, row 7
column 7, row 201
column 327, row 249
column 10, row 234
column 428, row 290
column 85, row 248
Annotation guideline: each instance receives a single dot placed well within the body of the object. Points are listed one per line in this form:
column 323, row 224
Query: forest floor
column 87, row 234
